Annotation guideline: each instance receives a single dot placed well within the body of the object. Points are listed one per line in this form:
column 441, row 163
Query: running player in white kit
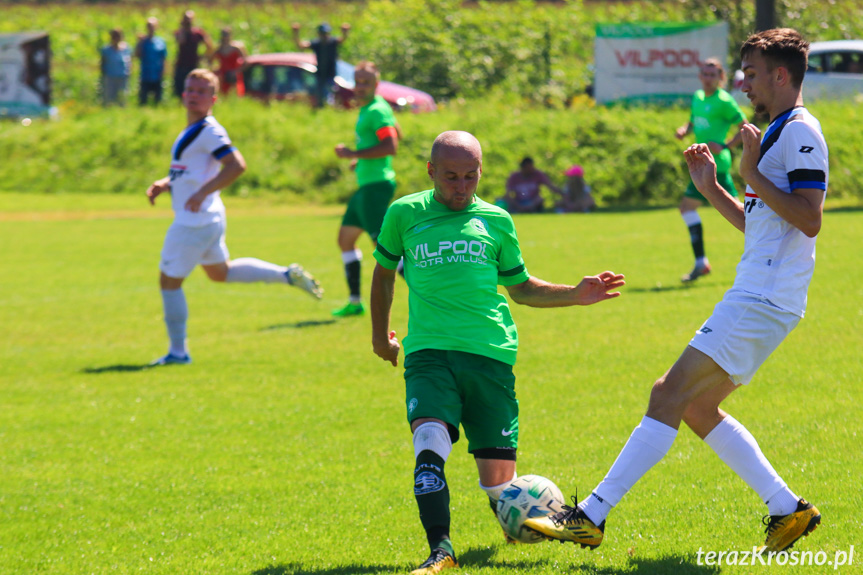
column 203, row 161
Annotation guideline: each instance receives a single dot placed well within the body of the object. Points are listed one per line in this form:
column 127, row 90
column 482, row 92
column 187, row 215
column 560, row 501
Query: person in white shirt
column 786, row 176
column 203, row 161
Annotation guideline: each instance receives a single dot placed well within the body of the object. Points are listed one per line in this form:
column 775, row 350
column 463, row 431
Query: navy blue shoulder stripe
column 189, row 137
column 773, row 135
column 815, row 179
column 223, row 151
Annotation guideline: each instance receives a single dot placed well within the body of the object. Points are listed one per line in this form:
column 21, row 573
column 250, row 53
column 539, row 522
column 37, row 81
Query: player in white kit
column 203, row 161
column 786, row 175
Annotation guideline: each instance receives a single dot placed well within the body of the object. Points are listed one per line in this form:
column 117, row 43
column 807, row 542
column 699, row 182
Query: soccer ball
column 528, row 496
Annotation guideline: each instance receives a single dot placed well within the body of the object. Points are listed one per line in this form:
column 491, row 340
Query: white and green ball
column 526, row 497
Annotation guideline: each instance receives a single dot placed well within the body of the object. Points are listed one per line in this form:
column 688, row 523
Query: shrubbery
column 513, row 73
column 631, row 157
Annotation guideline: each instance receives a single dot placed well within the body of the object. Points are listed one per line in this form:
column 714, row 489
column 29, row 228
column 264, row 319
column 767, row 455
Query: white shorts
column 185, row 247
column 742, row 333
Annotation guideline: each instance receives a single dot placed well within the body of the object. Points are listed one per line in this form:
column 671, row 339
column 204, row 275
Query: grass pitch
column 283, row 448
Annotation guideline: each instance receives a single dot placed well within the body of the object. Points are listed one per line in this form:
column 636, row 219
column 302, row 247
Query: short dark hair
column 525, row 161
column 783, row 47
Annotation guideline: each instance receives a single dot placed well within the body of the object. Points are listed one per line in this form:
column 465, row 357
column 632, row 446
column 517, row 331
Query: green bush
column 630, row 156
column 512, row 73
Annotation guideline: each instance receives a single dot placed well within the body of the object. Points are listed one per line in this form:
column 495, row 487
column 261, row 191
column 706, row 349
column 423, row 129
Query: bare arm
column 386, row 147
column 301, row 44
column 384, row 342
column 702, row 168
column 345, row 29
column 683, row 130
column 591, row 289
column 233, row 165
column 550, row 185
column 802, row 208
column 158, row 187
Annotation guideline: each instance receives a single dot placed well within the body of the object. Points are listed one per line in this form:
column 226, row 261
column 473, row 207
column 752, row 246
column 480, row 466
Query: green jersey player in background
column 377, row 142
column 462, row 341
column 714, row 112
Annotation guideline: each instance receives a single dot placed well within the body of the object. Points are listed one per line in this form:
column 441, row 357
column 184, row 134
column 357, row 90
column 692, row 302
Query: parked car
column 835, row 70
column 291, row 76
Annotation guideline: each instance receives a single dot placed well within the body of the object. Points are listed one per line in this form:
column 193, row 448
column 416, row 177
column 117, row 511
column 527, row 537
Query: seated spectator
column 576, row 193
column 523, row 189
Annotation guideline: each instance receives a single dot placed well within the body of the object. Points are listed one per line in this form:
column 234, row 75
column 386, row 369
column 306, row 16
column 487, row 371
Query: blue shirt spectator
column 116, row 67
column 152, row 52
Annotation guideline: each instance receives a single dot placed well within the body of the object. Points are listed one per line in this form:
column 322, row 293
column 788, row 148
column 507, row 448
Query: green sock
column 432, row 495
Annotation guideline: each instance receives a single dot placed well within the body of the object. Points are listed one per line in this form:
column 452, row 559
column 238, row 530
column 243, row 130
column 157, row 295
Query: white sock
column 252, row 270
column 494, row 491
column 691, row 218
column 433, row 437
column 647, row 445
column 176, row 314
column 737, row 448
column 352, row 256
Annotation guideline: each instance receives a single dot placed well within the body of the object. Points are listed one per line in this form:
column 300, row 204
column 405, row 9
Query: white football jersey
column 778, row 259
column 195, row 161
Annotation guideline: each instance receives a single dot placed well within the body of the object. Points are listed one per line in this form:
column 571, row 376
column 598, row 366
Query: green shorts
column 367, row 207
column 724, row 179
column 464, row 388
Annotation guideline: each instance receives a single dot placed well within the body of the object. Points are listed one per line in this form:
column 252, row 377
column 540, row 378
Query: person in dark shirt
column 326, row 49
column 189, row 39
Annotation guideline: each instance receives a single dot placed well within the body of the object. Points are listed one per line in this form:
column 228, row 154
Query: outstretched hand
column 388, row 350
column 593, row 289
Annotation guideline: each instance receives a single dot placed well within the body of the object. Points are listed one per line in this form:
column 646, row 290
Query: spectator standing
column 230, row 55
column 189, row 39
column 116, row 67
column 151, row 50
column 326, row 49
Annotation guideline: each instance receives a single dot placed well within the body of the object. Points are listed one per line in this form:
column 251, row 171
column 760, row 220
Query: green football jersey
column 453, row 263
column 373, row 116
column 711, row 119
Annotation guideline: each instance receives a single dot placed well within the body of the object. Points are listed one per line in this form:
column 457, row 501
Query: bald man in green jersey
column 713, row 113
column 377, row 142
column 462, row 340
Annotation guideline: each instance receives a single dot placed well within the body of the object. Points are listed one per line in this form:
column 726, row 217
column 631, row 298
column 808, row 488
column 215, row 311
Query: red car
column 291, row 76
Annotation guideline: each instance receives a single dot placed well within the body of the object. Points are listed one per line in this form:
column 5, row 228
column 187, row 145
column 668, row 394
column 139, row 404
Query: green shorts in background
column 464, row 388
column 368, row 205
column 724, row 179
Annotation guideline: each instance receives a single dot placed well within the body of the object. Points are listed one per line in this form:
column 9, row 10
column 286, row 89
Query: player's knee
column 665, row 399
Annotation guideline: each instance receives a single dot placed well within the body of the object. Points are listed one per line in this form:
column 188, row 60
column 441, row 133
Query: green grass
column 283, row 449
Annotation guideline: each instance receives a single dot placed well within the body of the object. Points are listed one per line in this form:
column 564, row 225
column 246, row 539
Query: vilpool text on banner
column 655, row 62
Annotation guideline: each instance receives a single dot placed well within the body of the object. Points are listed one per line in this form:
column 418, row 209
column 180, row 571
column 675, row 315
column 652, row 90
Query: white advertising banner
column 25, row 74
column 654, row 62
